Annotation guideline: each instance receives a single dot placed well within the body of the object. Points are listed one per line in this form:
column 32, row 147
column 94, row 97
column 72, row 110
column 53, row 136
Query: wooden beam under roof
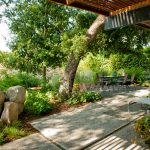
column 120, row 12
column 105, row 7
column 69, row 1
column 126, row 18
column 131, row 7
column 96, row 5
column 90, row 8
column 82, row 4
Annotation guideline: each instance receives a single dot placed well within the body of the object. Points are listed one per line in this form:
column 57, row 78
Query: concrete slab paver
column 78, row 128
column 81, row 127
column 31, row 142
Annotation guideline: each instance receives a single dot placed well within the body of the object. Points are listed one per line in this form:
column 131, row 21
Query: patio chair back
column 132, row 78
column 122, row 79
column 125, row 78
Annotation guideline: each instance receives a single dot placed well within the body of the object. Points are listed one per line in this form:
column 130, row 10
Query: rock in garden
column 1, row 122
column 1, row 108
column 16, row 94
column 10, row 112
column 2, row 98
column 20, row 108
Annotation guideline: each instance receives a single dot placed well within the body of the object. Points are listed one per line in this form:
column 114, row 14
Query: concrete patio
column 102, row 125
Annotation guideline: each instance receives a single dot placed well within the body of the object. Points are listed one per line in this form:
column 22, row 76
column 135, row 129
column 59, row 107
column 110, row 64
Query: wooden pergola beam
column 121, row 12
column 90, row 8
column 86, row 5
column 93, row 5
column 69, row 2
column 105, row 7
column 131, row 7
column 128, row 17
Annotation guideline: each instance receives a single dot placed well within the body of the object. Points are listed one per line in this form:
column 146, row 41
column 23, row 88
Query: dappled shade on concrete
column 124, row 139
column 81, row 127
column 32, row 142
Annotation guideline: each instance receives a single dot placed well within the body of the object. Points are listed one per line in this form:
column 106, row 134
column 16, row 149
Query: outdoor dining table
column 106, row 80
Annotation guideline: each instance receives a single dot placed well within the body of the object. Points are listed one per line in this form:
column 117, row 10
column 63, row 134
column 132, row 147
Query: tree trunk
column 72, row 65
column 69, row 74
column 44, row 75
column 95, row 28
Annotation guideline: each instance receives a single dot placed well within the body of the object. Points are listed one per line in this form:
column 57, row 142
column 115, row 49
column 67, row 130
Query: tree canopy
column 46, row 34
column 37, row 26
column 126, row 40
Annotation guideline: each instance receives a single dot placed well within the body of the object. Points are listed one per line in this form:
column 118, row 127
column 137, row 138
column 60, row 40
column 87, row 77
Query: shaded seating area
column 115, row 83
column 126, row 80
column 121, row 80
column 110, row 83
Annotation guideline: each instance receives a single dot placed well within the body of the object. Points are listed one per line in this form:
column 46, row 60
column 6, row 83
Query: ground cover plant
column 37, row 103
column 12, row 132
column 84, row 97
column 142, row 126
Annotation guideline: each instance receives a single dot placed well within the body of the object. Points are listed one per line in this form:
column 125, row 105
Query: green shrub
column 28, row 79
column 21, row 78
column 37, row 103
column 142, row 126
column 139, row 73
column 84, row 97
column 2, row 141
column 8, row 81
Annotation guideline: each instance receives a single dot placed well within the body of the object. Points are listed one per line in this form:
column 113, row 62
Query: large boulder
column 10, row 112
column 1, row 122
column 20, row 108
column 16, row 94
column 2, row 98
column 1, row 108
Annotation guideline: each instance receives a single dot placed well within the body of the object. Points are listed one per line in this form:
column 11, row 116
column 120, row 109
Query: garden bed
column 25, row 118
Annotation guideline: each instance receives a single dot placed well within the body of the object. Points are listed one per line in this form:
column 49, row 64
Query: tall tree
column 47, row 34
column 78, row 49
column 37, row 26
column 125, row 40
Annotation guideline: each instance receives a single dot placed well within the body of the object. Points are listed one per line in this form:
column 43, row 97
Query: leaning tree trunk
column 69, row 74
column 72, row 65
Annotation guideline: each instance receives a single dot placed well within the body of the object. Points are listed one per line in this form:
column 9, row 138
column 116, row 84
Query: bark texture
column 72, row 65
column 69, row 74
column 95, row 28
